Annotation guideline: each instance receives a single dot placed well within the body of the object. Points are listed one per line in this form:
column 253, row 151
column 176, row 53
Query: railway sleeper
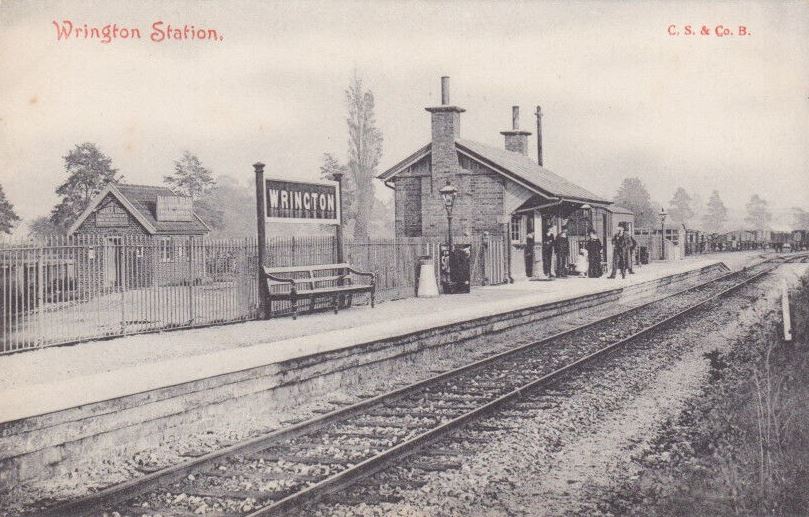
column 380, row 422
column 139, row 511
column 357, row 497
column 235, row 495
column 434, row 464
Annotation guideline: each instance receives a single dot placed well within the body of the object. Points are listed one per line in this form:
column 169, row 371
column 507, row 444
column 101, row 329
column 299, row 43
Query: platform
column 75, row 394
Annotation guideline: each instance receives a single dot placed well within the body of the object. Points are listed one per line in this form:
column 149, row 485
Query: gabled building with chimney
column 501, row 191
column 143, row 234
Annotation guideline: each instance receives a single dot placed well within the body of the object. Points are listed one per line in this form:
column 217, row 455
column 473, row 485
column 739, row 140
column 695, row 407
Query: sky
column 621, row 96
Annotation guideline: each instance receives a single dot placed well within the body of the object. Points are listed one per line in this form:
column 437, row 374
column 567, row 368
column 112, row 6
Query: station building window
column 518, row 224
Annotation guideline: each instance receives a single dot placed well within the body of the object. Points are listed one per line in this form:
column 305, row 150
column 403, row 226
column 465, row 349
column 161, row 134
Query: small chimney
column 516, row 140
column 539, row 135
column 445, row 91
column 446, row 119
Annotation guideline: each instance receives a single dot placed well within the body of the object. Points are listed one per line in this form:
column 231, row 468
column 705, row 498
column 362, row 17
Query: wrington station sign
column 296, row 202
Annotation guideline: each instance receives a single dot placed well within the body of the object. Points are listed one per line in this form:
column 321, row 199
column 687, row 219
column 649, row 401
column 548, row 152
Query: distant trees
column 89, row 171
column 229, row 208
column 8, row 217
column 632, row 194
column 716, row 214
column 800, row 219
column 758, row 213
column 190, row 178
column 43, row 227
column 681, row 207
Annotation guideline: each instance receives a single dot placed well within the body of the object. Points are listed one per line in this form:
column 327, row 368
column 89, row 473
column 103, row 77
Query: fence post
column 191, row 280
column 118, row 251
column 40, row 296
column 484, row 250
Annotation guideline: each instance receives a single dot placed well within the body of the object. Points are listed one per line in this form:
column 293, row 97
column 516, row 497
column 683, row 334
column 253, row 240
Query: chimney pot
column 445, row 90
column 515, row 118
column 539, row 135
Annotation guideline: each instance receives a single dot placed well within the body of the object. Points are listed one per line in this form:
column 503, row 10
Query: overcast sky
column 621, row 96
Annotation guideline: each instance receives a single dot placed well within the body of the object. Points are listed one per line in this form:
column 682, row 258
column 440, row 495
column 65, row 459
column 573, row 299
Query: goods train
column 697, row 241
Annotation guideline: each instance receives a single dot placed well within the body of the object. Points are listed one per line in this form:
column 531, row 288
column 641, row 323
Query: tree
column 348, row 188
column 190, row 178
column 8, row 217
column 758, row 215
column 364, row 152
column 632, row 194
column 229, row 208
column 89, row 172
column 800, row 219
column 43, row 227
column 716, row 214
column 680, row 207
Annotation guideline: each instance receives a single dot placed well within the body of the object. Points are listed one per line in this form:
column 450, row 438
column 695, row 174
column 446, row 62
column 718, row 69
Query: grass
column 742, row 446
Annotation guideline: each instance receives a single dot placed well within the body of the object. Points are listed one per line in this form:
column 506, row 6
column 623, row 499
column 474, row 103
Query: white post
column 785, row 311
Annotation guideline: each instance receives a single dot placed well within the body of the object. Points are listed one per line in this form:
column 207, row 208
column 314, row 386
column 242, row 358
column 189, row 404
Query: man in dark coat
column 594, row 255
column 528, row 254
column 620, row 245
column 562, row 251
column 630, row 251
column 547, row 252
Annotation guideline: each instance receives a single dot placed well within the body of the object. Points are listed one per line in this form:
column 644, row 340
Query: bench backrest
column 307, row 277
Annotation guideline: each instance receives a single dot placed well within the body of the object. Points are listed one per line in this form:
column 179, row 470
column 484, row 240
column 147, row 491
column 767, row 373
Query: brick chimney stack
column 446, row 128
column 516, row 140
column 446, row 119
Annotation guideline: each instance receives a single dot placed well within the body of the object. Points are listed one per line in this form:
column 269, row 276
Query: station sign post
column 288, row 201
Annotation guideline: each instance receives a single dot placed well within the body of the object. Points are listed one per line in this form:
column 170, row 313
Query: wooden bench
column 307, row 282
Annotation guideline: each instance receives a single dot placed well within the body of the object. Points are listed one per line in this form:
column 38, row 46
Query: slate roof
column 514, row 165
column 615, row 209
column 144, row 199
column 141, row 201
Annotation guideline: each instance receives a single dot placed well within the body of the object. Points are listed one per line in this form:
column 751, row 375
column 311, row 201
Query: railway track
column 286, row 469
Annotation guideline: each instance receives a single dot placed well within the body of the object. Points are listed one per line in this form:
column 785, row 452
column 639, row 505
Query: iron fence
column 74, row 289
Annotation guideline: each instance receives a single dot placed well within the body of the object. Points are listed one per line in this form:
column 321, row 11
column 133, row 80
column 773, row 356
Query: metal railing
column 67, row 290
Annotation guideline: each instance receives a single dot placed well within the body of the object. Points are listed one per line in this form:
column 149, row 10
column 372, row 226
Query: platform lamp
column 662, row 216
column 591, row 224
column 448, row 193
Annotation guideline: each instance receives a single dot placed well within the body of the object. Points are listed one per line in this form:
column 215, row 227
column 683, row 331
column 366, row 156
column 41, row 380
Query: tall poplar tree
column 364, row 151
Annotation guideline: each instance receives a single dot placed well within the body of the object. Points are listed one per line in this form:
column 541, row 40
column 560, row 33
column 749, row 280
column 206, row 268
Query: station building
column 141, row 235
column 501, row 192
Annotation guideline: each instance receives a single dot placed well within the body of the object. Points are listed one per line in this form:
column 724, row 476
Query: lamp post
column 662, row 216
column 448, row 193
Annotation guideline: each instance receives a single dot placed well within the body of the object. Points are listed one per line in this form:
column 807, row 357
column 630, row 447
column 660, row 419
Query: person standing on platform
column 630, row 252
column 528, row 253
column 594, row 255
column 562, row 250
column 548, row 241
column 619, row 247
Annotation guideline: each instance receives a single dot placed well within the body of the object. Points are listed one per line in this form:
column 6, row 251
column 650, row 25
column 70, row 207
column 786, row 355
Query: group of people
column 589, row 259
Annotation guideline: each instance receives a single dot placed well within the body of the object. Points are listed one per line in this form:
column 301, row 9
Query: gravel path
column 563, row 459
